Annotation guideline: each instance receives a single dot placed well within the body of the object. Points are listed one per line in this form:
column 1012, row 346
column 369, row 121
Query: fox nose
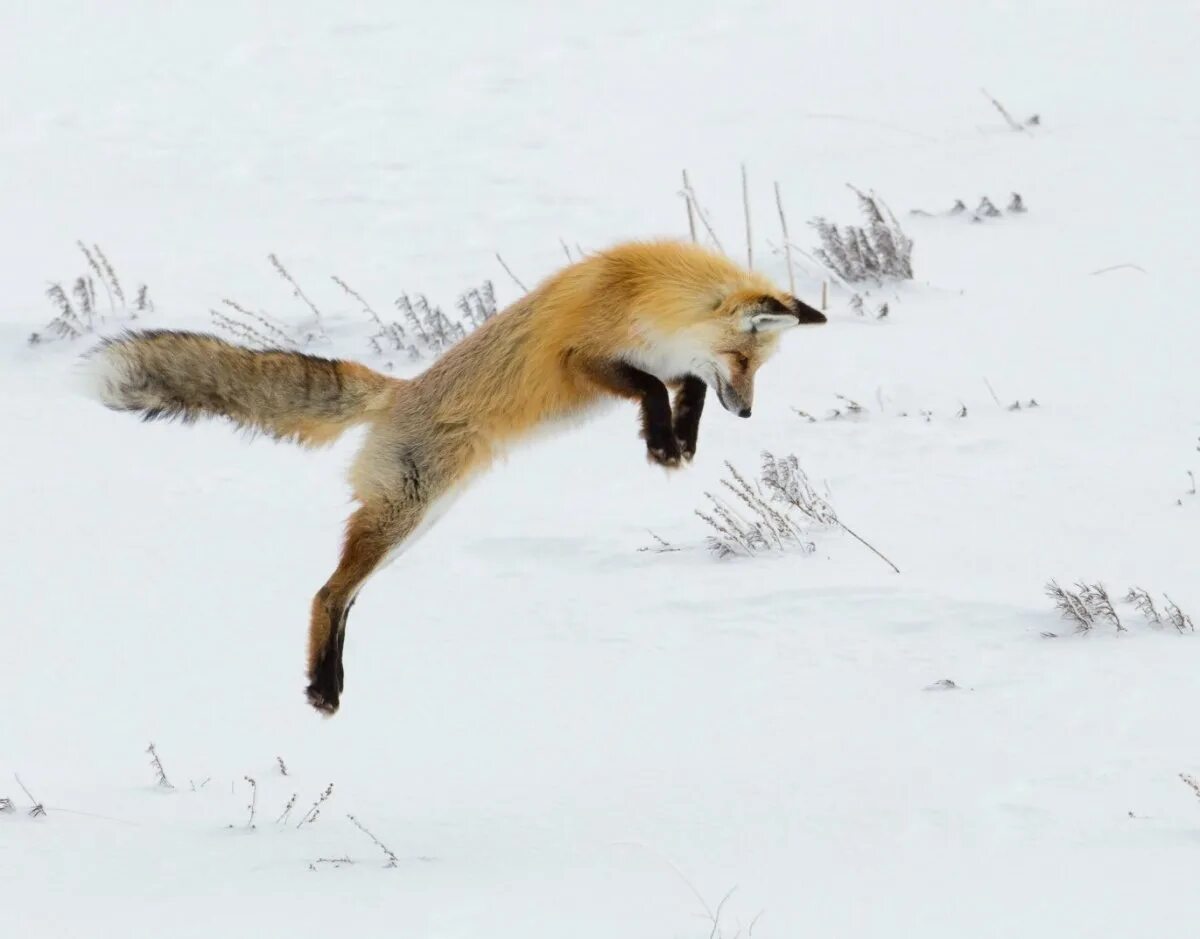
column 806, row 315
column 744, row 412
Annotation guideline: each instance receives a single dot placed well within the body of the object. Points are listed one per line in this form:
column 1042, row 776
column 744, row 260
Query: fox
column 656, row 323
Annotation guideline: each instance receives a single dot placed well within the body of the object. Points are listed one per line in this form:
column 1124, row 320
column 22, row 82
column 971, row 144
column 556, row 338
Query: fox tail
column 167, row 375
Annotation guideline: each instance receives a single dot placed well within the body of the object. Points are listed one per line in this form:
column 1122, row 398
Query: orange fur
column 664, row 308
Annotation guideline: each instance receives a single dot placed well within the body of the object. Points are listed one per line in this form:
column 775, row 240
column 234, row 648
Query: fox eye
column 741, row 360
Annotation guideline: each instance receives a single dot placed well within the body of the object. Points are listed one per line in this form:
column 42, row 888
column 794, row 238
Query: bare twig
column 566, row 250
column 746, row 210
column 508, row 270
column 109, row 274
column 296, row 291
column 367, row 308
column 1176, row 617
column 253, row 806
column 1191, row 783
column 1095, row 596
column 1119, row 267
column 158, row 767
column 392, row 860
column 993, row 393
column 335, row 861
column 38, row 808
column 95, row 266
column 866, row 544
column 242, row 331
column 287, row 810
column 787, row 244
column 282, row 766
column 687, row 198
column 275, row 332
column 311, row 815
column 1003, row 111
column 1142, row 600
column 1071, row 606
column 690, row 194
column 663, row 546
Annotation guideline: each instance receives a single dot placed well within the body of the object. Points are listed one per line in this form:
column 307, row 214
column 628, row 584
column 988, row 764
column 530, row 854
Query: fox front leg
column 628, row 381
column 689, row 405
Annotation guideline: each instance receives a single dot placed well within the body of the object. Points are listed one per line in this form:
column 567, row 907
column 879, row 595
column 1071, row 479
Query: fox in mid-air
column 631, row 322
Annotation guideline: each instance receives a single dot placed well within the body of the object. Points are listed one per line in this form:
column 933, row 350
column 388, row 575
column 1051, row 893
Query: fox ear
column 768, row 316
column 763, row 322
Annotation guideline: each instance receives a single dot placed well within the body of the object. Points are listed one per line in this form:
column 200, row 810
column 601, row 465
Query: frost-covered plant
column 751, row 525
column 423, row 330
column 315, row 810
column 771, row 512
column 1099, row 604
column 1177, row 618
column 158, row 767
column 1144, row 604
column 392, row 860
column 1072, row 607
column 72, row 320
column 879, row 250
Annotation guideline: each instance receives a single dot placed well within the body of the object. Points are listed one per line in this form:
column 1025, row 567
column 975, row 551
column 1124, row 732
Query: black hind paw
column 325, row 686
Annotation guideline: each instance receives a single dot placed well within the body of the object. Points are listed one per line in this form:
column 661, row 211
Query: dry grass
column 78, row 312
column 878, row 250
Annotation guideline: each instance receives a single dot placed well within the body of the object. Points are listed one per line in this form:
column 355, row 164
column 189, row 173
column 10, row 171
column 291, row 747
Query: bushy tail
column 163, row 374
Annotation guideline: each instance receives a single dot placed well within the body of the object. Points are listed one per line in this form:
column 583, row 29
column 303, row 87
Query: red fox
column 630, row 321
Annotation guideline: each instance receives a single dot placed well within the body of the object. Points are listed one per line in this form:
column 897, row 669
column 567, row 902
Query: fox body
column 630, row 322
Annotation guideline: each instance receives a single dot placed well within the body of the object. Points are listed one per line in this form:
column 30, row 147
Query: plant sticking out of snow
column 158, row 767
column 1177, row 618
column 72, row 320
column 315, row 810
column 1071, row 606
column 287, row 810
column 392, row 860
column 1142, row 600
column 660, row 546
column 1090, row 604
column 252, row 807
column 878, row 250
column 769, row 516
column 425, row 331
column 38, row 809
column 335, row 862
column 764, row 529
column 1099, row 604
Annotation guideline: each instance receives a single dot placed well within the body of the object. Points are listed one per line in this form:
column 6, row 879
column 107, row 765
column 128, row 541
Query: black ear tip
column 806, row 314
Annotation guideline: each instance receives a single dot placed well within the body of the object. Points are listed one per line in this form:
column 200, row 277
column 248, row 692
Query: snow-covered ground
column 559, row 735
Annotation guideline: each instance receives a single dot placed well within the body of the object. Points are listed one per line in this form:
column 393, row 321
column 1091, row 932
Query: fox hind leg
column 373, row 532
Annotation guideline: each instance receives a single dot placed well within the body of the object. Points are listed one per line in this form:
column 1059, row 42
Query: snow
column 556, row 733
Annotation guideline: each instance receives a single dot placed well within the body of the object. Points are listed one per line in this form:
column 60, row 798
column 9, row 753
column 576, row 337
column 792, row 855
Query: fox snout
column 733, row 399
column 805, row 314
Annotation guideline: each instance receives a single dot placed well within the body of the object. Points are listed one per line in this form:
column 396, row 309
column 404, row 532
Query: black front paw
column 664, row 452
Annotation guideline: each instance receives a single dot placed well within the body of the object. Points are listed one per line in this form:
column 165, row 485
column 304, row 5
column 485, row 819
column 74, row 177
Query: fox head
column 722, row 340
column 695, row 312
column 742, row 334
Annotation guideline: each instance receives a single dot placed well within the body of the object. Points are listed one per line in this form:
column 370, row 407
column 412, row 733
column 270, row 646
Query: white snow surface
column 559, row 735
